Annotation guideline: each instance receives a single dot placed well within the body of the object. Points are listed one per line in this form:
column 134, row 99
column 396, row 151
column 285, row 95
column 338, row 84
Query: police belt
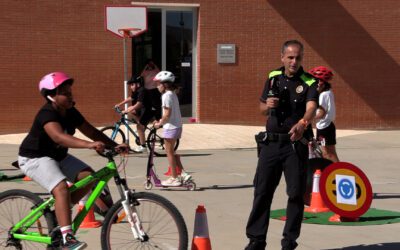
column 264, row 137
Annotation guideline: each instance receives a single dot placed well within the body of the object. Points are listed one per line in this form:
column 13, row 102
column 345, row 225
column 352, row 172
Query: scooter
column 153, row 179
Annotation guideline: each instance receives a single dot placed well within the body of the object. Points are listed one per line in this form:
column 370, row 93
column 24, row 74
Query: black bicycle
column 116, row 134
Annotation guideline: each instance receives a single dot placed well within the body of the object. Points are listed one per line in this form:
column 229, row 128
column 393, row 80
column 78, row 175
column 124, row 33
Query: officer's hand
column 296, row 133
column 272, row 102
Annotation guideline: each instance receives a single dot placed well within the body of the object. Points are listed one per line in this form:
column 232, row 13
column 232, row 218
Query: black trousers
column 275, row 158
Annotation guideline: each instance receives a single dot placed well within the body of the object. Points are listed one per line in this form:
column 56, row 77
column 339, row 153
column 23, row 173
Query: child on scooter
column 171, row 121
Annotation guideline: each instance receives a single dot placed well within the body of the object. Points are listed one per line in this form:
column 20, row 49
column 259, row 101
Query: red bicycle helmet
column 322, row 73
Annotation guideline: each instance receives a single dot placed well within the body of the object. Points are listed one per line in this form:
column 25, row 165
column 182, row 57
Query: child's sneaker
column 72, row 243
column 140, row 149
column 185, row 176
column 171, row 182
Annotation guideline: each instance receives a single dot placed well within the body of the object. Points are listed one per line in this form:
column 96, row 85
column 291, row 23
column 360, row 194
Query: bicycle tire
column 159, row 149
column 161, row 220
column 15, row 204
column 119, row 136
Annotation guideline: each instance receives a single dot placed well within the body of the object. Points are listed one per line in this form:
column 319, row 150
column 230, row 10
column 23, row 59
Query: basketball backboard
column 122, row 18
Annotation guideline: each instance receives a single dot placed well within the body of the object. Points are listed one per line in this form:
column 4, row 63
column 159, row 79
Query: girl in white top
column 326, row 113
column 171, row 121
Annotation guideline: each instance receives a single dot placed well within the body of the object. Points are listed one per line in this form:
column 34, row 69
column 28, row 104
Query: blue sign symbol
column 346, row 189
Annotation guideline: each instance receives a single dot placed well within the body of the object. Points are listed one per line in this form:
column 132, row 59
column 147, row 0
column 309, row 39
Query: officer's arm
column 311, row 107
column 297, row 130
column 264, row 108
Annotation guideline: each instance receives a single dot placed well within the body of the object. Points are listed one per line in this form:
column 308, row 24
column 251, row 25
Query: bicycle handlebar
column 118, row 110
column 109, row 152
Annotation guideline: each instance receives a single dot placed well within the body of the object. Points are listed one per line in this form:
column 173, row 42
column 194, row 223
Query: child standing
column 171, row 121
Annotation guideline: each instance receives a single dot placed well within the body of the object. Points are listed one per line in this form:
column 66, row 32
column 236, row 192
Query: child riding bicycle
column 140, row 109
column 326, row 113
column 43, row 154
column 171, row 121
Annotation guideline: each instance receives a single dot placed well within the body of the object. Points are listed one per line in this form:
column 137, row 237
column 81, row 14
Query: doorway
column 170, row 43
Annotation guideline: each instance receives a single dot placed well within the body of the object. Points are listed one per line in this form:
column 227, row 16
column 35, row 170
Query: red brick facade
column 357, row 39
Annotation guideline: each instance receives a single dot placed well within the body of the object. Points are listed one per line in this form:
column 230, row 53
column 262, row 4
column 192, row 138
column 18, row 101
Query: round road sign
column 345, row 189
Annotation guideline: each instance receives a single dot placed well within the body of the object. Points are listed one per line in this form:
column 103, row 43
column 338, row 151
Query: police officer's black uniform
column 278, row 154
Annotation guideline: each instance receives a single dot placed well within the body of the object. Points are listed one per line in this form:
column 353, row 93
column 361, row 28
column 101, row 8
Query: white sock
column 66, row 230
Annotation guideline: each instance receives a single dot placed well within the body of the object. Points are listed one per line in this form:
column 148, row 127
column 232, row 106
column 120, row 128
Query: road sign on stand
column 345, row 190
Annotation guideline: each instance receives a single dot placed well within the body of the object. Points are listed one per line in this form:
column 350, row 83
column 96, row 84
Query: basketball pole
column 126, row 82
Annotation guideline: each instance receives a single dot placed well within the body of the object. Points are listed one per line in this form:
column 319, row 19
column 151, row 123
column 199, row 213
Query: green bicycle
column 137, row 220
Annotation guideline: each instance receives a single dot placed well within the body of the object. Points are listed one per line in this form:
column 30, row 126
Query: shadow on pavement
column 386, row 196
column 221, row 187
column 380, row 246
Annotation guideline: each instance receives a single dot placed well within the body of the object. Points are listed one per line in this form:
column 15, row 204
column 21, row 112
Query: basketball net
column 129, row 32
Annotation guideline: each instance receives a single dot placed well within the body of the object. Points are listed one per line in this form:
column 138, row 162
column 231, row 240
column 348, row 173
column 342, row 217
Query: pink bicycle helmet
column 322, row 73
column 52, row 81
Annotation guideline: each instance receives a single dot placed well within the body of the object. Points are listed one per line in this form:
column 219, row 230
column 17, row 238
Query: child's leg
column 178, row 162
column 169, row 149
column 62, row 204
column 329, row 152
column 140, row 130
column 78, row 194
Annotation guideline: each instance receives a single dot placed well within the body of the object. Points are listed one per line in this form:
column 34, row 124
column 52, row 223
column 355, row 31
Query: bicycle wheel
column 159, row 149
column 15, row 205
column 161, row 220
column 117, row 136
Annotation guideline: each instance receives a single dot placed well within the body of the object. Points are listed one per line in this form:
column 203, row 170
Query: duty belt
column 272, row 137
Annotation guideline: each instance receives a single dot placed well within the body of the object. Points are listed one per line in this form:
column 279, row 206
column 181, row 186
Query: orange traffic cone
column 89, row 221
column 317, row 204
column 26, row 178
column 338, row 218
column 201, row 238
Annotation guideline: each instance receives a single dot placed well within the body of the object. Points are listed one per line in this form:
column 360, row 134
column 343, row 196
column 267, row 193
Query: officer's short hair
column 292, row 42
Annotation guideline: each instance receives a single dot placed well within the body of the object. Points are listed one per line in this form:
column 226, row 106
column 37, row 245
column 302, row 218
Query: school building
column 221, row 52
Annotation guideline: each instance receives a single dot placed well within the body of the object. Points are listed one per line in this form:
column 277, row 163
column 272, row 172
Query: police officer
column 289, row 100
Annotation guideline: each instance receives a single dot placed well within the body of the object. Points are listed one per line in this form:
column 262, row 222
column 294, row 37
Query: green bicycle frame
column 102, row 176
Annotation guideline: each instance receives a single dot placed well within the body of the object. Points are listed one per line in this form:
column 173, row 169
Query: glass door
column 178, row 47
column 169, row 43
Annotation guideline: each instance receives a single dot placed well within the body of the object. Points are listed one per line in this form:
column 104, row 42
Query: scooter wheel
column 148, row 185
column 191, row 185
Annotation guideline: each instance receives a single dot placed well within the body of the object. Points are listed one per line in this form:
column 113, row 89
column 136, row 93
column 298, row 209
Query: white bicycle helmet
column 164, row 76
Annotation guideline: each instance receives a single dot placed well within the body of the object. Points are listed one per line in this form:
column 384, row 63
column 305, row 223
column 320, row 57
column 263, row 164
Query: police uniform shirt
column 293, row 93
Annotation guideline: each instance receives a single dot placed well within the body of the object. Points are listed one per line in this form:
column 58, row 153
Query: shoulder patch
column 274, row 73
column 308, row 79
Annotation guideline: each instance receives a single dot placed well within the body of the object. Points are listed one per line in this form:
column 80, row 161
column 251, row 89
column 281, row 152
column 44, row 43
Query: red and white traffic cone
column 90, row 220
column 201, row 237
column 317, row 204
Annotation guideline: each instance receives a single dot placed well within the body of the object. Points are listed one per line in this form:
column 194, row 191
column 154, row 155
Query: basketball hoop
column 129, row 32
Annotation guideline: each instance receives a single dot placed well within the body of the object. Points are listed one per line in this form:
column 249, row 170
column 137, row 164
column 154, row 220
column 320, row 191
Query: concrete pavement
column 223, row 168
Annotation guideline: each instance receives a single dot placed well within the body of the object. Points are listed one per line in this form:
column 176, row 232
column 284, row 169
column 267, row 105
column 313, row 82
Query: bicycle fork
column 133, row 218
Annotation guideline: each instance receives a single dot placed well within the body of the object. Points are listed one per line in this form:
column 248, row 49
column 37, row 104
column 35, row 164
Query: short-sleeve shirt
column 170, row 100
column 38, row 144
column 327, row 102
column 141, row 95
column 293, row 92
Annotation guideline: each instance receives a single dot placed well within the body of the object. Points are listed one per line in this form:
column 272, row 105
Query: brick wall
column 357, row 39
